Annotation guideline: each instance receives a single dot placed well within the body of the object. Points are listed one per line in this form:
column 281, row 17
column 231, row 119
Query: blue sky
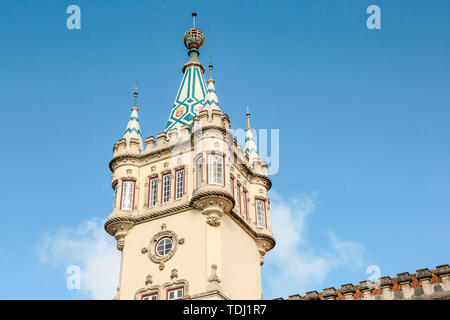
column 363, row 118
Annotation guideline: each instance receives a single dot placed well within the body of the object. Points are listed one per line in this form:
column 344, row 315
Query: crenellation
column 424, row 285
column 134, row 145
column 365, row 287
column 386, row 285
column 149, row 143
column 216, row 118
column 425, row 276
column 121, row 146
column 226, row 121
column 161, row 139
column 329, row 293
column 312, row 295
column 172, row 136
column 443, row 271
column 348, row 291
column 404, row 280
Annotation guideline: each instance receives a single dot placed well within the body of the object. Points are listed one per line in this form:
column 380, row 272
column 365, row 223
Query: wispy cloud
column 295, row 266
column 89, row 247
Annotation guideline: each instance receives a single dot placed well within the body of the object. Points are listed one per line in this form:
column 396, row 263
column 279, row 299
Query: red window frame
column 199, row 160
column 239, row 196
column 207, row 167
column 134, row 193
column 174, row 289
column 162, row 187
column 150, row 295
column 265, row 212
column 176, row 183
column 150, row 188
column 245, row 203
column 232, row 185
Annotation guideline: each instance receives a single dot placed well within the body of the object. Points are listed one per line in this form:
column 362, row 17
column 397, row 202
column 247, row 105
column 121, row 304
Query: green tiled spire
column 191, row 94
column 250, row 144
column 133, row 128
column 211, row 100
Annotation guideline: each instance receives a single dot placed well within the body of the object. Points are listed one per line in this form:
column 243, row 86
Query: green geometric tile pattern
column 189, row 100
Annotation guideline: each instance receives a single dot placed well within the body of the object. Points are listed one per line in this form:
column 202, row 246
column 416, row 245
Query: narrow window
column 260, row 213
column 238, row 197
column 115, row 195
column 232, row 185
column 166, row 188
column 127, row 195
column 152, row 191
column 150, row 296
column 199, row 171
column 215, row 169
column 245, row 204
column 179, row 184
column 175, row 294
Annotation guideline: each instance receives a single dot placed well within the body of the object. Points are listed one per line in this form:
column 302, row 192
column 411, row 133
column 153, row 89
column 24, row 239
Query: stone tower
column 191, row 208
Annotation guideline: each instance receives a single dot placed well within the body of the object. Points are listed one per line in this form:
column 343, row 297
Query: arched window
column 215, row 168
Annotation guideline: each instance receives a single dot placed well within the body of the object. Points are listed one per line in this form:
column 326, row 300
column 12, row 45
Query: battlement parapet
column 423, row 285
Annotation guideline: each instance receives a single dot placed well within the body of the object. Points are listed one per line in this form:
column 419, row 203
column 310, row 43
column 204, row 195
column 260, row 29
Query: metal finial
column 210, row 68
column 135, row 94
column 194, row 14
column 248, row 118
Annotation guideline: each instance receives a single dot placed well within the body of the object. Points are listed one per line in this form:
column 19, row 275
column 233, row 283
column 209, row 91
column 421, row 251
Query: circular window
column 164, row 246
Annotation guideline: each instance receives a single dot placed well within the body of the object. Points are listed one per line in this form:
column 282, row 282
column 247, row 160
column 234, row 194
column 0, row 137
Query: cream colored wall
column 188, row 259
column 241, row 275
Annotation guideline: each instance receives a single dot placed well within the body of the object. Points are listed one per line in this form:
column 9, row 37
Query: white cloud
column 92, row 249
column 294, row 266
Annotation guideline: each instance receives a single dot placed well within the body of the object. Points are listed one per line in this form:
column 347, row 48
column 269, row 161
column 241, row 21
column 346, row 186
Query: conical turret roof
column 133, row 128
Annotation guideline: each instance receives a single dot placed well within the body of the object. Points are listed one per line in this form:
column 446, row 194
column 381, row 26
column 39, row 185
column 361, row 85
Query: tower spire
column 210, row 68
column 248, row 118
column 211, row 99
column 250, row 144
column 133, row 128
column 135, row 95
column 191, row 94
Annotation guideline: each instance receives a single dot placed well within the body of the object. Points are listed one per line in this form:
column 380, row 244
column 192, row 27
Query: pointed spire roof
column 250, row 144
column 191, row 94
column 211, row 100
column 133, row 128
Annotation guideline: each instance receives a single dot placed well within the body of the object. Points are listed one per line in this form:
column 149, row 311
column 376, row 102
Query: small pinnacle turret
column 250, row 144
column 133, row 130
column 211, row 99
